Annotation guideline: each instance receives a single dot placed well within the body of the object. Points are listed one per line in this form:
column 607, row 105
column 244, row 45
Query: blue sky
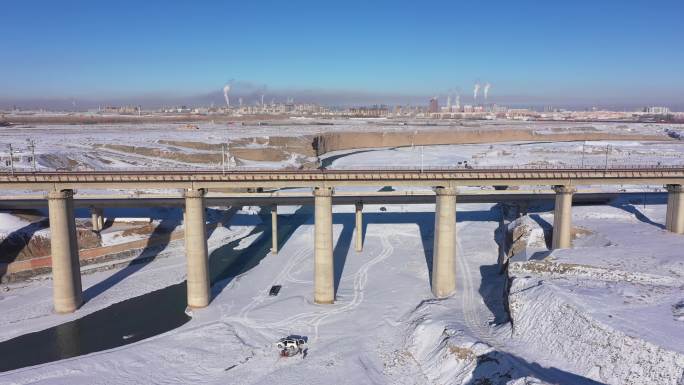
column 530, row 51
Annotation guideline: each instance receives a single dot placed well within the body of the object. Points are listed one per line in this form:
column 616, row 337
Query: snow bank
column 441, row 359
column 448, row 354
column 545, row 318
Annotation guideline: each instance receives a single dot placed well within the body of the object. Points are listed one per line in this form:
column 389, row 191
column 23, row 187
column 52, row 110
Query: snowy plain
column 385, row 327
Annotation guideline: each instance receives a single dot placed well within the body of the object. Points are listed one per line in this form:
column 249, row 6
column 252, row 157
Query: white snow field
column 107, row 146
column 611, row 304
column 609, row 310
column 384, row 327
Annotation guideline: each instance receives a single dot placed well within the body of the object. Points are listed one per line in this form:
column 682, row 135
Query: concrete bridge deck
column 448, row 177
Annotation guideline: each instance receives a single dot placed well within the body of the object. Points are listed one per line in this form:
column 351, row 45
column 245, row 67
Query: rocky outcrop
column 525, row 236
column 29, row 243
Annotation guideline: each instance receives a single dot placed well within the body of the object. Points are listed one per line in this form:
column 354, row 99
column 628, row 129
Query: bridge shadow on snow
column 156, row 243
column 632, row 209
column 342, row 246
column 424, row 220
column 227, row 262
column 497, row 367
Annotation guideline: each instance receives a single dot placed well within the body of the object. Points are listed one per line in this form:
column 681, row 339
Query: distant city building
column 120, row 110
column 434, row 106
column 374, row 111
column 655, row 110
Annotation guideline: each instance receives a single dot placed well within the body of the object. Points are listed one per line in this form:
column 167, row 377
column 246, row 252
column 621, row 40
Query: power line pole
column 223, row 158
column 32, row 146
column 11, row 159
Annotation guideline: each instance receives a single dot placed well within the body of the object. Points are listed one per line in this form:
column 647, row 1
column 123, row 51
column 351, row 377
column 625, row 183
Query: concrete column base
column 562, row 218
column 444, row 250
column 66, row 273
column 324, row 279
column 196, row 250
column 274, row 229
column 359, row 227
column 97, row 218
column 675, row 209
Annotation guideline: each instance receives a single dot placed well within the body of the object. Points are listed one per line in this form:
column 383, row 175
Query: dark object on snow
column 292, row 345
column 275, row 289
column 383, row 208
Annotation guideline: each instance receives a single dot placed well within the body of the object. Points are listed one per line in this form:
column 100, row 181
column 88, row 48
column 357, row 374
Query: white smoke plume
column 486, row 90
column 476, row 89
column 226, row 90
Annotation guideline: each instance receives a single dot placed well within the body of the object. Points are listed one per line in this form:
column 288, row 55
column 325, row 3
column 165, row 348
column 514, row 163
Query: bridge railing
column 440, row 168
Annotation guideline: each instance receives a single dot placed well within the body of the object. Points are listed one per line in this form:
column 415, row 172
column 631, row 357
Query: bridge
column 197, row 185
column 245, row 178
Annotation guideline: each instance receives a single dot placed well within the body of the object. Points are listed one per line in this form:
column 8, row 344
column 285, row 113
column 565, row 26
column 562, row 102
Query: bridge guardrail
column 17, row 172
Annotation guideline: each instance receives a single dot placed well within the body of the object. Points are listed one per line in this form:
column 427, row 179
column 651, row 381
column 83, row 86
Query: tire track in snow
column 360, row 281
column 476, row 318
column 313, row 319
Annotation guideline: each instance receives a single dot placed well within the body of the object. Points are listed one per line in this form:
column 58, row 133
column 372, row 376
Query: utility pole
column 11, row 159
column 223, row 158
column 421, row 159
column 32, row 146
column 607, row 149
column 583, row 144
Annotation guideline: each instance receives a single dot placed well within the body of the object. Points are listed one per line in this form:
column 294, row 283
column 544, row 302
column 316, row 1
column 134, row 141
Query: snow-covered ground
column 384, row 327
column 107, row 146
column 611, row 304
column 616, row 316
column 549, row 154
column 360, row 339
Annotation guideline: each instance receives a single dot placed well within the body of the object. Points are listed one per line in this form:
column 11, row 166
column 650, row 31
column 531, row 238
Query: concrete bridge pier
column 97, row 218
column 359, row 227
column 324, row 290
column 444, row 251
column 66, row 272
column 562, row 217
column 196, row 250
column 274, row 229
column 675, row 209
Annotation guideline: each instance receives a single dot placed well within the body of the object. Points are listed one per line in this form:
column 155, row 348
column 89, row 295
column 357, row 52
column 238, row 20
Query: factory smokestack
column 486, row 91
column 226, row 90
column 476, row 89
